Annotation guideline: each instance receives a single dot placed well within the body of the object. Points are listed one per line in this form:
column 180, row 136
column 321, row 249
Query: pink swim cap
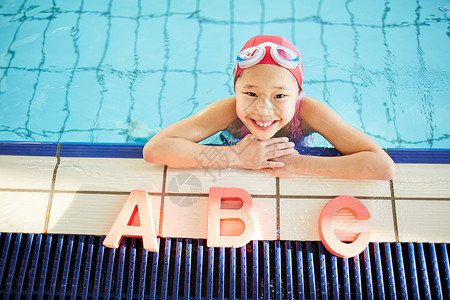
column 268, row 57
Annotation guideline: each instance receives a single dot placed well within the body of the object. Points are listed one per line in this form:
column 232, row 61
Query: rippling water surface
column 88, row 71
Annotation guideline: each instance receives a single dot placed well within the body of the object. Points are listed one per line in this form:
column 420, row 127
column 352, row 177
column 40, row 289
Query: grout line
column 277, row 182
column 52, row 189
column 315, row 197
column 118, row 193
column 163, row 196
column 394, row 210
column 421, row 199
column 255, row 196
column 25, row 190
column 169, row 194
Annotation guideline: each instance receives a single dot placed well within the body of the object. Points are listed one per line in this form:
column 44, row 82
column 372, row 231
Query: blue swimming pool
column 84, row 71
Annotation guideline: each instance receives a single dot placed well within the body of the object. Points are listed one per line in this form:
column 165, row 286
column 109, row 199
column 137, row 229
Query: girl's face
column 265, row 99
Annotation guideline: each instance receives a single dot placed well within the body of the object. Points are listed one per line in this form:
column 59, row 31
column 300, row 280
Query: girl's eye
column 279, row 96
column 251, row 94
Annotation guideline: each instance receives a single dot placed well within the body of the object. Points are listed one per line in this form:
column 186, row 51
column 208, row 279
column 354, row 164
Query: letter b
column 222, row 211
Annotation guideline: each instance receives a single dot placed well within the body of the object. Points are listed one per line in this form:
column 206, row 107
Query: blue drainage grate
column 35, row 266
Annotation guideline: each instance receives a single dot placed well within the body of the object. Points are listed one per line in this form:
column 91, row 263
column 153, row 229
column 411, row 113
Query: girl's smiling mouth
column 264, row 125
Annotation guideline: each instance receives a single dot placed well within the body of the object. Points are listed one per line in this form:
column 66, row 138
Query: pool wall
column 59, row 200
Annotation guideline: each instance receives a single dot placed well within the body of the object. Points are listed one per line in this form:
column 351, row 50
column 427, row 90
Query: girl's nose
column 264, row 107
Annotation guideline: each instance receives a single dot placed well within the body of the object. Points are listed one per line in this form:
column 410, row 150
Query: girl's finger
column 279, row 146
column 276, row 140
column 272, row 164
column 279, row 153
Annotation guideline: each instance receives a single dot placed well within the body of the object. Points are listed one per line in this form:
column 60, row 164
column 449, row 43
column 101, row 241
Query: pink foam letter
column 223, row 212
column 326, row 231
column 135, row 219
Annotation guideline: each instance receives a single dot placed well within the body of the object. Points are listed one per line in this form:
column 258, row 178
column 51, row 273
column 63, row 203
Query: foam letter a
column 135, row 219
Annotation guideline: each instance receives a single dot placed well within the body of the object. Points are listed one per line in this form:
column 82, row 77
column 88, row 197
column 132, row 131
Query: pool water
column 88, row 71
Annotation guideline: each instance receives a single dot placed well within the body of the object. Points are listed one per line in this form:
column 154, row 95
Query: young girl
column 267, row 117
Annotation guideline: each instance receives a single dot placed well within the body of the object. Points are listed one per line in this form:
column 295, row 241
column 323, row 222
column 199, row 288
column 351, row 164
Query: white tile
column 108, row 174
column 422, row 181
column 299, row 220
column 187, row 216
column 26, row 172
column 89, row 213
column 327, row 186
column 264, row 215
column 184, row 180
column 23, row 211
column 426, row 221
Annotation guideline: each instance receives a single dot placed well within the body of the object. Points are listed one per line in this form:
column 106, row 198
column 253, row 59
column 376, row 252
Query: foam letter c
column 326, row 231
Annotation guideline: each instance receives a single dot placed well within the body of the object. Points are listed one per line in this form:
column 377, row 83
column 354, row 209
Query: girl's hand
column 255, row 154
column 289, row 166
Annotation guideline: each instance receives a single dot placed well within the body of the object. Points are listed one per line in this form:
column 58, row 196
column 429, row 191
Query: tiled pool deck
column 80, row 188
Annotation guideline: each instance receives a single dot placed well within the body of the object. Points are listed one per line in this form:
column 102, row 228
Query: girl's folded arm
column 362, row 157
column 177, row 144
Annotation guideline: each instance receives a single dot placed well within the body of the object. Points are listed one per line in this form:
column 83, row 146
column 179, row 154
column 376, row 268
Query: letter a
column 135, row 219
column 216, row 215
column 326, row 231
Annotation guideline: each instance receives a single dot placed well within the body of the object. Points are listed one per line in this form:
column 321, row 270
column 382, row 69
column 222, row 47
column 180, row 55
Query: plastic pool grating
column 47, row 266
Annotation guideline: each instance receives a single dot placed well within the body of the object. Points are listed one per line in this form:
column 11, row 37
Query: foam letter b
column 222, row 210
column 326, row 231
column 135, row 219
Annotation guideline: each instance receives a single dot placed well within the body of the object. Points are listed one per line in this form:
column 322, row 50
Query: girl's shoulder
column 224, row 106
column 308, row 103
column 220, row 113
column 304, row 111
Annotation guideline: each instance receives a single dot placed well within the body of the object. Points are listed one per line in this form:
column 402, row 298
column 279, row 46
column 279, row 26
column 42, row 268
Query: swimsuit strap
column 296, row 131
column 244, row 131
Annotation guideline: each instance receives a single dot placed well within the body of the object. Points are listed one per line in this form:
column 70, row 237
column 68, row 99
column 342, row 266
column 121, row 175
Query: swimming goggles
column 283, row 56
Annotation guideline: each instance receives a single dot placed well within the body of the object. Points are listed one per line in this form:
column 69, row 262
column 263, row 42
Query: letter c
column 326, row 230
